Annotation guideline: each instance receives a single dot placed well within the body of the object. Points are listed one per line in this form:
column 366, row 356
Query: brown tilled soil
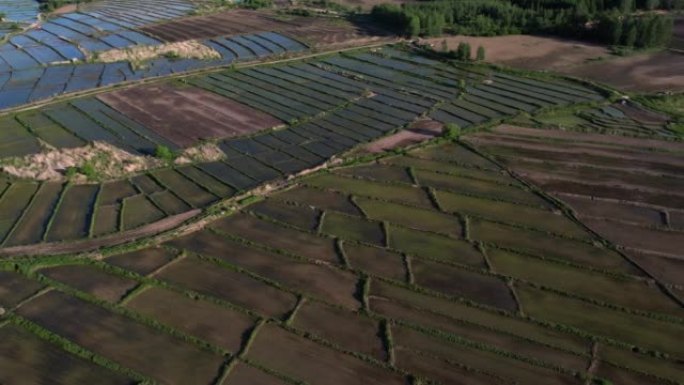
column 187, row 115
column 529, row 52
column 316, row 31
column 648, row 72
column 418, row 132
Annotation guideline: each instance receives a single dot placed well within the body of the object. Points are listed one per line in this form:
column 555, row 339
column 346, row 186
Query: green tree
column 480, row 53
column 630, row 35
column 164, row 153
column 463, row 51
column 413, row 26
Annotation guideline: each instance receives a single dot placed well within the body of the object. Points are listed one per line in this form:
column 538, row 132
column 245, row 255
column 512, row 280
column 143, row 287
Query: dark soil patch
column 187, row 115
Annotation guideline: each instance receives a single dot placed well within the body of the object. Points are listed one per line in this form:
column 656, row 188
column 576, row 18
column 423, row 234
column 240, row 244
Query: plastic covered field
column 323, row 107
column 41, row 60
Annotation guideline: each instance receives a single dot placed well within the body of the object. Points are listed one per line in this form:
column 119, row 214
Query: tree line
column 612, row 22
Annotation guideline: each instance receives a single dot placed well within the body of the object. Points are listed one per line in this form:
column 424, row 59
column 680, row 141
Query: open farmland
column 327, row 106
column 627, row 190
column 60, row 55
column 376, row 275
column 212, row 193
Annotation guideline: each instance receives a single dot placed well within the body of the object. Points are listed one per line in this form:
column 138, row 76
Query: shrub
column 164, row 153
column 451, row 131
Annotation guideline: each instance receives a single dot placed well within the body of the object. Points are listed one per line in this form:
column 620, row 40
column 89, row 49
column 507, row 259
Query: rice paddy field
column 320, row 107
column 377, row 215
column 433, row 266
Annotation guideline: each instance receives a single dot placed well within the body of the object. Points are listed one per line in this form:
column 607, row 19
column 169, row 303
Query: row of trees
column 569, row 18
column 635, row 31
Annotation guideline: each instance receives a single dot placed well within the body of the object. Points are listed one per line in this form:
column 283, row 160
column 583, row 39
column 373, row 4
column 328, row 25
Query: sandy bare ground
column 190, row 49
column 165, row 224
column 50, row 165
column 646, row 72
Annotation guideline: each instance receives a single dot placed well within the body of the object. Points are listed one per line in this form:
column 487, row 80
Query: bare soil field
column 529, row 52
column 316, row 31
column 186, row 116
column 643, row 72
column 419, row 131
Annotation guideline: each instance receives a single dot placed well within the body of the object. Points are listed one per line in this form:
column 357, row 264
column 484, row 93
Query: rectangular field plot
column 293, row 241
column 653, row 334
column 481, row 288
column 353, row 228
column 347, row 329
column 412, row 217
column 624, row 291
column 219, row 325
column 204, row 115
column 32, row 226
column 308, row 361
column 71, row 219
column 229, row 285
column 414, row 307
column 319, row 281
column 183, row 188
column 434, row 246
column 92, row 280
column 15, row 199
column 14, row 288
column 25, row 359
column 484, row 361
column 376, row 261
column 143, row 261
column 303, row 217
column 512, row 213
column 139, row 210
column 15, row 139
column 243, row 374
column 540, row 244
column 160, row 356
column 398, row 193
